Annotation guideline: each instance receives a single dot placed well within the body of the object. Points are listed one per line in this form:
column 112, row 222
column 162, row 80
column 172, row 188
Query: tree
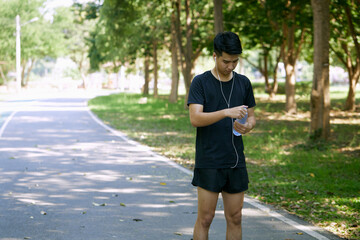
column 174, row 61
column 345, row 22
column 293, row 31
column 38, row 39
column 131, row 29
column 320, row 94
column 218, row 16
column 78, row 33
column 262, row 36
column 288, row 20
column 192, row 35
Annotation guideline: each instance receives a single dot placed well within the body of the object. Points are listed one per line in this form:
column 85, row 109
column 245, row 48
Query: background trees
column 345, row 24
column 43, row 38
column 107, row 35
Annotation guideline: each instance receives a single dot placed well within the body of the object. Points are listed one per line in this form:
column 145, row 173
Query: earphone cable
column 228, row 105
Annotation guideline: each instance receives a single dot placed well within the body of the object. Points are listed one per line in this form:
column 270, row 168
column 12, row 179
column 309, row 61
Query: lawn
column 318, row 181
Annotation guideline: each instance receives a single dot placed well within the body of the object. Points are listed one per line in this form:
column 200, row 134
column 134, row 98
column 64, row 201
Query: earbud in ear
column 215, row 59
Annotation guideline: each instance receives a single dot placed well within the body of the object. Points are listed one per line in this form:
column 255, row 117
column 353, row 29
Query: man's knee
column 234, row 218
column 206, row 219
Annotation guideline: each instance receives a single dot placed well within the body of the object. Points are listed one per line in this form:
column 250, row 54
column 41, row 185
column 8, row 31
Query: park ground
column 317, row 181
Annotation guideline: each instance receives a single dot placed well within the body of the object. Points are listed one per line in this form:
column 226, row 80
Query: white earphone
column 228, row 105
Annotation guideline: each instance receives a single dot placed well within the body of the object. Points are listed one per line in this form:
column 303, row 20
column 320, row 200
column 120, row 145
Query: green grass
column 318, row 181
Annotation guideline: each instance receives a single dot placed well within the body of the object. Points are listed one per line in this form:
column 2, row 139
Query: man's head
column 227, row 48
column 228, row 42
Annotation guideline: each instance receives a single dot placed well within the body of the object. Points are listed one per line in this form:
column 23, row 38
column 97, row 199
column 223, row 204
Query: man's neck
column 220, row 77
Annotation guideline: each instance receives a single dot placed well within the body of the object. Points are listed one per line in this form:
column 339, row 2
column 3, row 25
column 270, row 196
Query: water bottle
column 242, row 121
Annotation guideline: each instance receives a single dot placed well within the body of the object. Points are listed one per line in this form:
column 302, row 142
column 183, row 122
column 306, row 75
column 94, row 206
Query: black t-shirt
column 214, row 143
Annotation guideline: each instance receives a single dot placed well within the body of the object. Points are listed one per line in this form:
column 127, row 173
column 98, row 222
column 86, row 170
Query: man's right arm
column 199, row 118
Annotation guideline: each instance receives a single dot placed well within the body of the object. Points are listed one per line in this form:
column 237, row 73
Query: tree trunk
column 26, row 81
column 174, row 63
column 3, row 76
column 23, row 73
column 84, row 79
column 290, row 91
column 350, row 100
column 354, row 73
column 320, row 95
column 290, row 53
column 275, row 84
column 187, row 50
column 218, row 16
column 80, row 65
column 147, row 76
column 155, row 69
column 266, row 72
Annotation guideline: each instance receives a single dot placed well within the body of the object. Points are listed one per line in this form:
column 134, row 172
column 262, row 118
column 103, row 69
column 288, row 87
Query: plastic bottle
column 242, row 121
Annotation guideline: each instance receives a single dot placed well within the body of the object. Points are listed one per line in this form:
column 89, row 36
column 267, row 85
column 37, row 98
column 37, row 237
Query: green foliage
column 8, row 11
column 341, row 41
column 38, row 39
column 126, row 29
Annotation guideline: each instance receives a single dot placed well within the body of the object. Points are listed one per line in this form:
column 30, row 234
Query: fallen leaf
column 312, row 175
column 299, row 233
column 171, row 201
column 177, row 233
column 27, row 237
column 84, row 212
column 98, row 204
column 43, row 213
column 137, row 219
column 162, row 183
column 122, row 204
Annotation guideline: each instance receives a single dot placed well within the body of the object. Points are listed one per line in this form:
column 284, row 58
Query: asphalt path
column 66, row 175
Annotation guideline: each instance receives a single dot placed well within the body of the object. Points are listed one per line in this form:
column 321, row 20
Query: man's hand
column 249, row 125
column 242, row 128
column 236, row 112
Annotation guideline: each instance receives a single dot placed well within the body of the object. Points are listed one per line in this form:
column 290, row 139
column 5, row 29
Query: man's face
column 226, row 63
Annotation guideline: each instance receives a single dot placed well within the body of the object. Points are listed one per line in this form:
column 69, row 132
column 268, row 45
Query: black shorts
column 230, row 180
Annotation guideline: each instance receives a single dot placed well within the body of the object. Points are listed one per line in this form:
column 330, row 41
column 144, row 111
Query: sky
column 50, row 5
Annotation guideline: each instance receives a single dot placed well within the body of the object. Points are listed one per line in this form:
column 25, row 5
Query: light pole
column 18, row 50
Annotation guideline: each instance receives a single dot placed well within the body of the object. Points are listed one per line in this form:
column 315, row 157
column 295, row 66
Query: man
column 216, row 98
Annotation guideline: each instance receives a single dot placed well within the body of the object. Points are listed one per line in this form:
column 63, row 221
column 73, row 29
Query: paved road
column 65, row 175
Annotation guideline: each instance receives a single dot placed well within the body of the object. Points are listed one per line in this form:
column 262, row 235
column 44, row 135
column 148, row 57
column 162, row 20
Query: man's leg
column 233, row 204
column 207, row 201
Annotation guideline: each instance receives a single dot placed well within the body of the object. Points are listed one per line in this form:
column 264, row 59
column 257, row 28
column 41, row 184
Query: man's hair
column 228, row 42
